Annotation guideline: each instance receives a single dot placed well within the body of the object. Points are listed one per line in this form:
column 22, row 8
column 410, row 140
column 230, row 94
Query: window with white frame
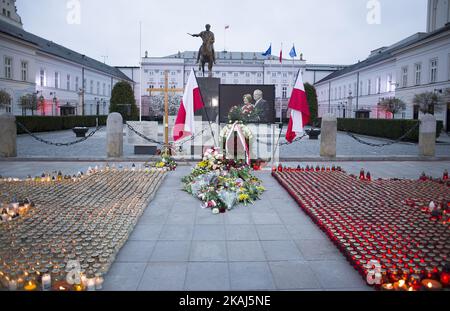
column 57, row 77
column 433, row 70
column 104, row 89
column 361, row 84
column 345, row 91
column 378, row 86
column 8, row 67
column 448, row 67
column 418, row 74
column 369, row 87
column 340, row 93
column 389, row 82
column 98, row 88
column 284, row 92
column 24, row 70
column 68, row 82
column 42, row 77
column 92, row 87
column 224, row 74
column 77, row 84
column 8, row 106
column 405, row 76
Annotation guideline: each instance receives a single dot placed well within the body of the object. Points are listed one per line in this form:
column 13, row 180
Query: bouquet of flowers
column 246, row 113
column 221, row 184
column 166, row 161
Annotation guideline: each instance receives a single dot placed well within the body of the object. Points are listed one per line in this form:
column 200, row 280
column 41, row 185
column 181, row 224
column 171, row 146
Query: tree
column 29, row 101
column 123, row 101
column 5, row 99
column 311, row 96
column 428, row 102
column 392, row 105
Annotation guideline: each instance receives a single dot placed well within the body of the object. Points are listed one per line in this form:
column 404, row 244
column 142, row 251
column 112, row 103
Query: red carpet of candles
column 395, row 232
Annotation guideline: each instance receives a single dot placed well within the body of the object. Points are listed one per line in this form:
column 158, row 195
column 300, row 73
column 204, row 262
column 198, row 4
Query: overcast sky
column 325, row 31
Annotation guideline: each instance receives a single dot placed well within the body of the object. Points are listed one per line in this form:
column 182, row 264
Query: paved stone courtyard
column 95, row 147
column 272, row 245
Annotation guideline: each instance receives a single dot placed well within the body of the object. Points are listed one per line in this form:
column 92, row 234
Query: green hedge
column 391, row 129
column 385, row 128
column 49, row 124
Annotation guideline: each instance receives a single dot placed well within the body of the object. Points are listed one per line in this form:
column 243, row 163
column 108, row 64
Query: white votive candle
column 12, row 285
column 91, row 285
column 98, row 282
column 46, row 282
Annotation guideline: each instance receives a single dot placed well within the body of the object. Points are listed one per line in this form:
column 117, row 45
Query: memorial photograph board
column 259, row 99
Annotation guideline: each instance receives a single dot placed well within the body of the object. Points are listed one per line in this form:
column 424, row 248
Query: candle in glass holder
column 99, row 281
column 387, row 287
column 46, row 282
column 90, row 284
column 431, row 285
column 30, row 285
column 12, row 285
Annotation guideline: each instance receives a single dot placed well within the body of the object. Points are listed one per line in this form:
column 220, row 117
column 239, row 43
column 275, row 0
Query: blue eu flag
column 268, row 52
column 293, row 53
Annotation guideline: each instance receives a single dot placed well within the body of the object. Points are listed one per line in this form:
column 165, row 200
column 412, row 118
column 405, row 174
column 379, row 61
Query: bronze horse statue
column 206, row 56
column 206, row 53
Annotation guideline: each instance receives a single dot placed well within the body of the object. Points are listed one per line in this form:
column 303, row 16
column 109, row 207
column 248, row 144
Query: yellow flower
column 243, row 197
column 203, row 164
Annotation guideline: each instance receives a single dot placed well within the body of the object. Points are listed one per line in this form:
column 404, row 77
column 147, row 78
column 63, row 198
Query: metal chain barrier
column 144, row 137
column 398, row 140
column 160, row 143
column 57, row 144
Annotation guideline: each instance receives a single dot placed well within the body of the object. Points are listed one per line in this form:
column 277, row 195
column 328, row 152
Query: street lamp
column 54, row 103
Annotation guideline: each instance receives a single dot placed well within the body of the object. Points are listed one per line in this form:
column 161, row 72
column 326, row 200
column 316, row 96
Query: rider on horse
column 208, row 42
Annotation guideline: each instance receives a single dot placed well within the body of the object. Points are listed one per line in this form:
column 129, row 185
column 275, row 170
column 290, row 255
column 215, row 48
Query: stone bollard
column 8, row 136
column 114, row 135
column 427, row 136
column 328, row 136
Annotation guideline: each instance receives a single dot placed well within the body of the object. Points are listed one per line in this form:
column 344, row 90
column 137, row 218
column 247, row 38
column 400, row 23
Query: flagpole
column 216, row 144
column 140, row 71
column 281, row 98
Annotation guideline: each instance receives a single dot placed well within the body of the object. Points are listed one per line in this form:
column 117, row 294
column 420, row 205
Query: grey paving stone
column 266, row 218
column 245, row 251
column 144, row 232
column 272, row 232
column 208, row 251
column 306, row 232
column 207, row 276
column 233, row 218
column 294, row 275
column 124, row 276
column 205, row 217
column 171, row 251
column 241, row 233
column 281, row 250
column 334, row 274
column 152, row 219
column 177, row 232
column 319, row 250
column 251, row 276
column 136, row 251
column 164, row 276
column 181, row 218
column 209, row 232
column 295, row 218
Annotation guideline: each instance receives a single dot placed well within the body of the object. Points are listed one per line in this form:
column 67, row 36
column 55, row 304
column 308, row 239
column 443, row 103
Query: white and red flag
column 300, row 115
column 191, row 102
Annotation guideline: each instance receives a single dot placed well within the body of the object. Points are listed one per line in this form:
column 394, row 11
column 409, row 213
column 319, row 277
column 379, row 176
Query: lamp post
column 54, row 101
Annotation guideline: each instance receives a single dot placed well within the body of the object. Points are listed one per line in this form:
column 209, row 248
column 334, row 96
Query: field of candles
column 63, row 233
column 395, row 232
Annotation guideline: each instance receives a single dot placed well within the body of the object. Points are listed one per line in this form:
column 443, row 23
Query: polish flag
column 300, row 115
column 191, row 102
